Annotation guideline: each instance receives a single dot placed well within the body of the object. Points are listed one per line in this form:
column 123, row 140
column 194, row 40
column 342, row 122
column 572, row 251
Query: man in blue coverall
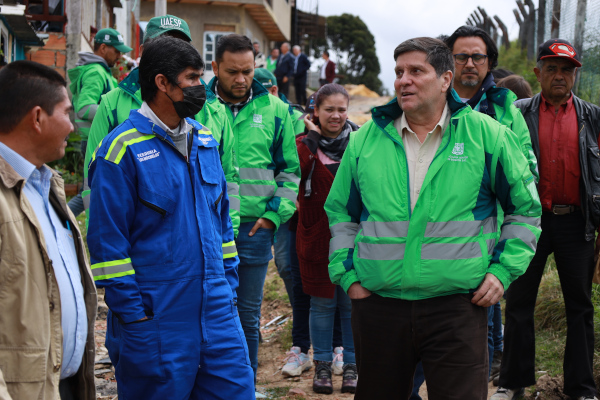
column 162, row 245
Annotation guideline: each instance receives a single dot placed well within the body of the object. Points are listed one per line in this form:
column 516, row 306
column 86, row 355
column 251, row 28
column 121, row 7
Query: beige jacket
column 30, row 319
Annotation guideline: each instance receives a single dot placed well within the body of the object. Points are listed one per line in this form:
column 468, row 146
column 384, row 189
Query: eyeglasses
column 462, row 59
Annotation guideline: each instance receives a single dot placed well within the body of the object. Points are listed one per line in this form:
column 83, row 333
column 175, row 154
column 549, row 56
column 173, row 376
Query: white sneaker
column 587, row 398
column 337, row 364
column 259, row 395
column 507, row 394
column 296, row 363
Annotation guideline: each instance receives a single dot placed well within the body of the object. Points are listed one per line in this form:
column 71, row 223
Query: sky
column 392, row 22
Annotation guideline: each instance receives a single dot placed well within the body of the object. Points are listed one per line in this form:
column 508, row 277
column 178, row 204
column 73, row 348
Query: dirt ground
column 272, row 354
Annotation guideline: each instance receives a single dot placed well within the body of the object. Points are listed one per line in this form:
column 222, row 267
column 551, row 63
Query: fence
column 588, row 84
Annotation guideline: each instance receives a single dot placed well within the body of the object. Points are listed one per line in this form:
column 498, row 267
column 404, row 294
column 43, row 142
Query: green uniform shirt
column 115, row 108
column 265, row 150
column 88, row 83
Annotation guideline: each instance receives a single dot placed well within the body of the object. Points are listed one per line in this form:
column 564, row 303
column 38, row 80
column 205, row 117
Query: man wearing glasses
column 475, row 56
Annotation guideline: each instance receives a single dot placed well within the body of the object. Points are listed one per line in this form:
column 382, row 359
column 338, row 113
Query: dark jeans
column 255, row 254
column 448, row 334
column 66, row 388
column 281, row 250
column 300, row 85
column 301, row 304
column 301, row 307
column 562, row 235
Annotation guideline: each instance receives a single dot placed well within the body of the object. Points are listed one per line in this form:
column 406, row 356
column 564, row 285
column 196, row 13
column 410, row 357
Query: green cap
column 111, row 37
column 160, row 25
column 265, row 77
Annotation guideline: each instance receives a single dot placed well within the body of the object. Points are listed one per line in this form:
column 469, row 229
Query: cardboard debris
column 360, row 90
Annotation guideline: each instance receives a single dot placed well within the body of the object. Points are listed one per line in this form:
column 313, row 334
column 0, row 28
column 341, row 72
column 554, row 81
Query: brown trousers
column 448, row 334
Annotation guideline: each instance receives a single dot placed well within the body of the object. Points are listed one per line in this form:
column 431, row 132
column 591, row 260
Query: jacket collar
column 258, row 90
column 385, row 114
column 10, row 178
column 487, row 84
column 131, row 84
column 144, row 125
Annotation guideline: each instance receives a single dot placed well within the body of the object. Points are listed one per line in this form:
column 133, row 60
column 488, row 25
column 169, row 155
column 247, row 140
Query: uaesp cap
column 265, row 77
column 160, row 25
column 111, row 37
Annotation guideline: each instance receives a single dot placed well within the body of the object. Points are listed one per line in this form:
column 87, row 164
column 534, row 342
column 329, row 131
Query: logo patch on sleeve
column 148, row 155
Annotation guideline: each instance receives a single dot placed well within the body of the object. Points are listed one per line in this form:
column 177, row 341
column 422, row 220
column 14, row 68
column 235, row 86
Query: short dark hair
column 24, row 85
column 329, row 90
column 518, row 85
column 471, row 31
column 326, row 53
column 233, row 43
column 438, row 54
column 168, row 56
column 97, row 46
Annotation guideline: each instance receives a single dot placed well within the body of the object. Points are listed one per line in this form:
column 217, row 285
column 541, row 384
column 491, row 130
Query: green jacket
column 89, row 82
column 509, row 115
column 265, row 150
column 114, row 110
column 295, row 114
column 448, row 243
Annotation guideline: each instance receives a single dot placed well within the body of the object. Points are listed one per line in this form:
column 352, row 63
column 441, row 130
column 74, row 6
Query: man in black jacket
column 285, row 69
column 564, row 134
column 301, row 66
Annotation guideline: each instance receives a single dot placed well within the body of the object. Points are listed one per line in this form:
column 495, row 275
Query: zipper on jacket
column 218, row 199
column 154, row 207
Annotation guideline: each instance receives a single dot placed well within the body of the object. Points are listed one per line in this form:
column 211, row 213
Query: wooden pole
column 541, row 21
column 555, row 27
column 505, row 39
column 579, row 35
column 531, row 48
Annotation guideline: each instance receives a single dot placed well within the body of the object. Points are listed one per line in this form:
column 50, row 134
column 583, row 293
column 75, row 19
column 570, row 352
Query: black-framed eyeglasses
column 462, row 59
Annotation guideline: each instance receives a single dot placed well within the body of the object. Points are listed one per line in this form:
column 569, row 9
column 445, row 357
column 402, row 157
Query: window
column 5, row 45
column 210, row 45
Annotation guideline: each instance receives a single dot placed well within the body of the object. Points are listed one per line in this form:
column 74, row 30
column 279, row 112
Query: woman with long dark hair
column 320, row 152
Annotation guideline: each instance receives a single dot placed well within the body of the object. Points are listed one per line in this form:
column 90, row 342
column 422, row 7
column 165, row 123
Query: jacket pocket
column 594, row 159
column 156, row 201
column 140, row 350
column 23, row 364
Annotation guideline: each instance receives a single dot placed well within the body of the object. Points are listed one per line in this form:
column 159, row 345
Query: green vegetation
column 551, row 324
column 277, row 392
column 516, row 61
column 354, row 45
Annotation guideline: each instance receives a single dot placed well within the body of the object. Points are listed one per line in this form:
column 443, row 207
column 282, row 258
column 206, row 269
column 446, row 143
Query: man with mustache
column 564, row 132
column 412, row 213
column 265, row 150
column 47, row 294
column 475, row 56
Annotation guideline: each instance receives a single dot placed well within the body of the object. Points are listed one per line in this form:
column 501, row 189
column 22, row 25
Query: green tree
column 515, row 60
column 349, row 37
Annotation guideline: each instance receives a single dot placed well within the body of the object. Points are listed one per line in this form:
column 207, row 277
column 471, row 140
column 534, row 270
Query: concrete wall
column 201, row 18
column 283, row 16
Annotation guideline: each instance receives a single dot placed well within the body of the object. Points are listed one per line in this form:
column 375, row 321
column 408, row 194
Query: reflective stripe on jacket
column 114, row 110
column 265, row 151
column 155, row 216
column 448, row 243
